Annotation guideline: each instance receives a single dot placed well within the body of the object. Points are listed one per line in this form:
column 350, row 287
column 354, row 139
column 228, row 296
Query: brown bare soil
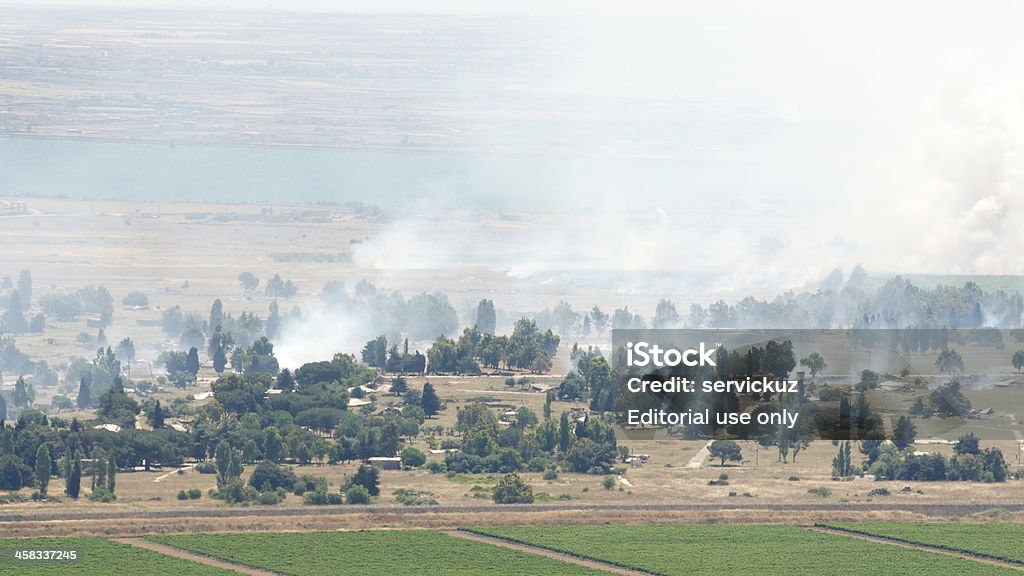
column 883, row 540
column 178, row 553
column 548, row 553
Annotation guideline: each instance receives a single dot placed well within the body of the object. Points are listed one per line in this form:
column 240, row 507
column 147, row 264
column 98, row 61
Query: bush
column 321, row 497
column 723, row 480
column 608, row 482
column 820, row 491
column 270, row 498
column 794, row 478
column 550, row 474
column 513, row 490
column 194, row 493
column 101, row 494
column 206, row 467
column 182, row 495
column 357, row 494
column 879, row 492
column 413, row 498
column 135, row 298
column 307, row 483
column 436, row 467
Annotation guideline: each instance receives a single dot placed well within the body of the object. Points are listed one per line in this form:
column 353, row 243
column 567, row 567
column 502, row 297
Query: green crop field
column 751, row 550
column 96, row 557
column 1004, row 541
column 383, row 552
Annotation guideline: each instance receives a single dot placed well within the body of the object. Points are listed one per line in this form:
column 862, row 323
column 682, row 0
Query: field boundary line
column 982, row 557
column 552, row 552
column 174, row 552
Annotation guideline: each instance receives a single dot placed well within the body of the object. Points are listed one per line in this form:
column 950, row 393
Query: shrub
column 879, row 492
column 206, row 467
column 820, row 491
column 101, row 494
column 322, row 497
column 357, row 494
column 550, row 474
column 307, row 483
column 194, row 493
column 436, row 467
column 182, row 495
column 608, row 482
column 723, row 480
column 413, row 498
column 270, row 498
column 794, row 478
column 513, row 490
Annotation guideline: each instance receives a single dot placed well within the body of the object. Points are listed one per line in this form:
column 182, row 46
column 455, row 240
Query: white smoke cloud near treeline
column 807, row 136
column 754, row 147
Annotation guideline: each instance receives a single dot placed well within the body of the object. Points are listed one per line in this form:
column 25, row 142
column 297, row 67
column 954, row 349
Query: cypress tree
column 43, row 465
column 158, row 416
column 111, row 471
column 67, row 469
column 84, row 399
column 74, row 484
column 429, row 401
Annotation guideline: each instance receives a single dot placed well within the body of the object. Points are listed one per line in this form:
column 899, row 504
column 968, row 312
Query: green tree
column 14, row 319
column 43, row 465
column 564, row 433
column 375, row 352
column 726, row 450
column 368, row 477
column 949, row 362
column 814, row 363
column 222, row 457
column 600, row 320
column 967, row 444
column 248, row 281
column 486, row 319
column 1018, row 360
column 68, row 461
column 430, row 403
column 111, row 473
column 13, row 472
column 842, row 464
column 74, row 482
column 413, row 458
column 512, row 489
column 23, row 394
column 905, row 433
column 220, row 360
column 192, row 361
column 274, row 445
column 949, row 400
column 156, row 418
column 665, row 315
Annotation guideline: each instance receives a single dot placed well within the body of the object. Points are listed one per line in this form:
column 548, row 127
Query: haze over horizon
column 740, row 131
